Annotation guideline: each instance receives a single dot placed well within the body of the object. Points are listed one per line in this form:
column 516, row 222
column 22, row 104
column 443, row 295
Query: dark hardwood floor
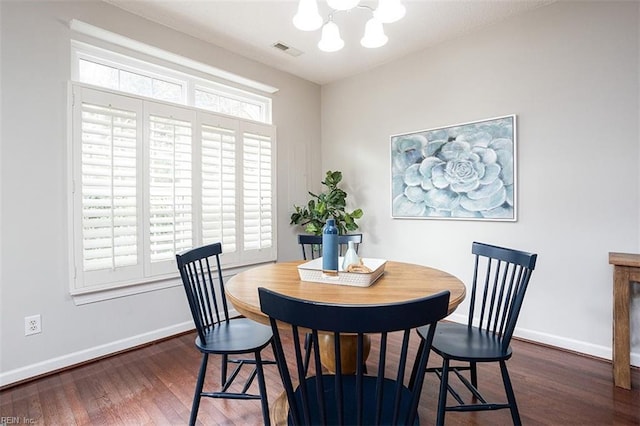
column 154, row 385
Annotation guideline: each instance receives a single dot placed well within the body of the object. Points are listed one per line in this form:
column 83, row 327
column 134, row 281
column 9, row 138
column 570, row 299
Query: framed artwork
column 466, row 172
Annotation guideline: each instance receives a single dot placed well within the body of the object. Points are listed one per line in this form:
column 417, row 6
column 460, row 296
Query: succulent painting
column 464, row 171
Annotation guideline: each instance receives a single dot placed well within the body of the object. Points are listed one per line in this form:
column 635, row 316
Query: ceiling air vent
column 287, row 49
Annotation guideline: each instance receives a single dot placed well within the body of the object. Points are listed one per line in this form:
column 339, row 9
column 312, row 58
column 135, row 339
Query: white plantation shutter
column 109, row 220
column 258, row 190
column 170, row 226
column 152, row 179
column 106, row 189
column 219, row 215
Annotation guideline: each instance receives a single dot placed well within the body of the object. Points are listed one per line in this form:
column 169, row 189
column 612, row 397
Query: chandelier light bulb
column 374, row 35
column 342, row 4
column 307, row 18
column 331, row 40
column 389, row 11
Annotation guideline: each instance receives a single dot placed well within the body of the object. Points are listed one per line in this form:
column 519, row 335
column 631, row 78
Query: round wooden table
column 399, row 283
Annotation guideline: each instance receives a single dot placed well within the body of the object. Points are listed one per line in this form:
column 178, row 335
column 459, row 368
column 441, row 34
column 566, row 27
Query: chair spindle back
column 500, row 280
column 311, row 245
column 204, row 286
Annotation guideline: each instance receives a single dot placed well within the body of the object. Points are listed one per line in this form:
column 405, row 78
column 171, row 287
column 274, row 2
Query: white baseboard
column 47, row 366
column 599, row 351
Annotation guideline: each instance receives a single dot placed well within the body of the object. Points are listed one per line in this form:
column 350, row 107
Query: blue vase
column 330, row 246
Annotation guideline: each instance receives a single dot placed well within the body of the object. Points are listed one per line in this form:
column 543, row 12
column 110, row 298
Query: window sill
column 84, row 296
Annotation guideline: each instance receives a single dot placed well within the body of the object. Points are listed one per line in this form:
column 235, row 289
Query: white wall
column 570, row 73
column 35, row 70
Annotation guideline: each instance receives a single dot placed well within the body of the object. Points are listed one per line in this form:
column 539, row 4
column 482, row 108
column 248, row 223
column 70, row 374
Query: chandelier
column 308, row 19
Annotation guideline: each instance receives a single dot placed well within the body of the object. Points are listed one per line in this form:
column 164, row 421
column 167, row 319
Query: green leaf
column 332, row 179
column 321, row 208
column 351, row 226
column 312, row 228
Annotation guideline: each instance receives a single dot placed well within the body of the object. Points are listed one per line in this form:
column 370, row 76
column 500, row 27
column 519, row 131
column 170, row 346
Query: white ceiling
column 250, row 28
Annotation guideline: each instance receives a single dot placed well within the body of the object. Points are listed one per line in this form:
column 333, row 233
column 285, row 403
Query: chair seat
column 349, row 398
column 236, row 336
column 459, row 342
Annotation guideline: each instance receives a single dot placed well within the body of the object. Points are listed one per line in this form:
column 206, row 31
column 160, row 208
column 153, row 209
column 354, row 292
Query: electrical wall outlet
column 32, row 325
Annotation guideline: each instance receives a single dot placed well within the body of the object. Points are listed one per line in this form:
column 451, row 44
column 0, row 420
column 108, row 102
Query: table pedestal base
column 348, row 348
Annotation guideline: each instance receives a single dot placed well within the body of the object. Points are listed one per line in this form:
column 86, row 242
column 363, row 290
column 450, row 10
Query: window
column 112, row 77
column 110, row 70
column 230, row 102
column 153, row 176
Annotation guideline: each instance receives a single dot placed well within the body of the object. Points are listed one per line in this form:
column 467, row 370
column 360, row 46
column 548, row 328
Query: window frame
column 155, row 276
column 166, row 276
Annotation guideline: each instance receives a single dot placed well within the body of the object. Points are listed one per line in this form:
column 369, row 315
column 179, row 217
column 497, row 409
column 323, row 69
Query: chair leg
column 308, row 346
column 474, row 374
column 515, row 415
column 263, row 390
column 223, row 372
column 444, row 390
column 414, row 371
column 198, row 393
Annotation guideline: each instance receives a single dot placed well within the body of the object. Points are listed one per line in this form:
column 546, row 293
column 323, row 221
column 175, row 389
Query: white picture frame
column 464, row 171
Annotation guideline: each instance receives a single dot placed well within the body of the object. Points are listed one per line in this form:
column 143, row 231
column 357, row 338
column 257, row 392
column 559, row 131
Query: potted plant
column 328, row 204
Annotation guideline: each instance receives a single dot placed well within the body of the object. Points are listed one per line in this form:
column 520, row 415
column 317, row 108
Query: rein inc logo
column 16, row 420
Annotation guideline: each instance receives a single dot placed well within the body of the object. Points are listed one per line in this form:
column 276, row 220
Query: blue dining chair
column 388, row 393
column 218, row 334
column 500, row 279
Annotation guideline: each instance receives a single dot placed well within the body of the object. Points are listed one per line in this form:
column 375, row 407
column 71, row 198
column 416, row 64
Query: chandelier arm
column 359, row 6
column 365, row 6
